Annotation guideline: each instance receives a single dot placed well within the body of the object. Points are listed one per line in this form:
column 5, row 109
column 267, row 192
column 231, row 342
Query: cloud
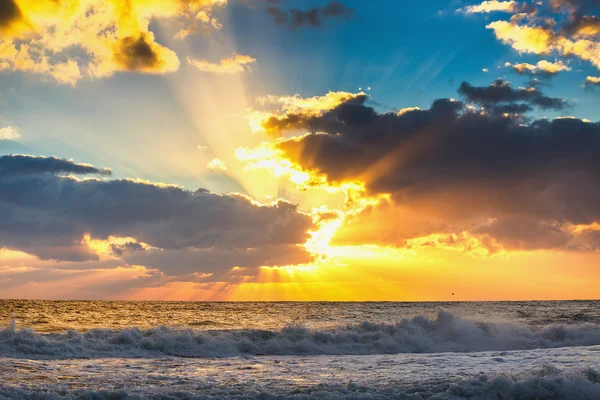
column 9, row 133
column 143, row 54
column 68, row 219
column 573, row 36
column 27, row 165
column 455, row 165
column 219, row 261
column 592, row 80
column 543, row 68
column 295, row 109
column 216, row 165
column 12, row 21
column 578, row 23
column 500, row 91
column 496, row 5
column 528, row 39
column 313, row 17
column 232, row 65
column 68, row 41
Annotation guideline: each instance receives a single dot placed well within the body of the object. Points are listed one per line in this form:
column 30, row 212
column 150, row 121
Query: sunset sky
column 299, row 149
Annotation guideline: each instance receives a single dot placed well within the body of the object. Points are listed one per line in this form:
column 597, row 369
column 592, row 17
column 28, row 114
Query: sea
column 284, row 350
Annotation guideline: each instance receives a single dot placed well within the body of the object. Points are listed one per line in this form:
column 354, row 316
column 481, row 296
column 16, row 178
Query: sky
column 254, row 150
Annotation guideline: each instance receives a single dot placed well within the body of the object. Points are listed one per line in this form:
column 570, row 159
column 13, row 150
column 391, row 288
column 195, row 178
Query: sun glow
column 327, row 218
column 106, row 247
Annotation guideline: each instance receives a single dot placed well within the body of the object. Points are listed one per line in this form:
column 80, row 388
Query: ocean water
column 187, row 350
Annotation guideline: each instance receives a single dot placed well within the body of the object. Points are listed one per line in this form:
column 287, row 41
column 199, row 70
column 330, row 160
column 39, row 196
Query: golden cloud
column 294, row 109
column 144, row 54
column 491, row 6
column 527, row 39
column 73, row 39
column 593, row 80
column 544, row 66
column 575, row 38
column 231, row 65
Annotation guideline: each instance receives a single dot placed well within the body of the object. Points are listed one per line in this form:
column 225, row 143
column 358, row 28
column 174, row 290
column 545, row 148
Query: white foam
column 544, row 383
column 445, row 333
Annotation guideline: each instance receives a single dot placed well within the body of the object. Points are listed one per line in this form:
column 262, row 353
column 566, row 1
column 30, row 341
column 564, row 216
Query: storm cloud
column 500, row 92
column 48, row 215
column 460, row 166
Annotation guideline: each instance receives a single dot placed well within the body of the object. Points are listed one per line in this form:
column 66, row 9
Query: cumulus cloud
column 543, row 68
column 575, row 35
column 216, row 165
column 9, row 133
column 235, row 64
column 592, row 80
column 502, row 6
column 313, row 17
column 501, row 94
column 586, row 25
column 528, row 39
column 578, row 22
column 68, row 219
column 543, row 40
column 295, row 109
column 68, row 41
column 143, row 54
column 455, row 165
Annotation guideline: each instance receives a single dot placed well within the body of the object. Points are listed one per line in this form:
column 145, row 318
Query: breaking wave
column 444, row 333
column 545, row 383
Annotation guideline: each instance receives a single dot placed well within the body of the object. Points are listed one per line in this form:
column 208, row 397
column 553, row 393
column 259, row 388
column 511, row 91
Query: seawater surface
column 487, row 350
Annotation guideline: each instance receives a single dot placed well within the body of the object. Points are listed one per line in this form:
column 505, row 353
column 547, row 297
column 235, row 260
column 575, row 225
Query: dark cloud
column 577, row 5
column 9, row 12
column 578, row 22
column 275, row 125
column 526, row 8
column 538, row 76
column 27, row 165
column 129, row 247
column 500, row 92
column 459, row 167
column 279, row 16
column 218, row 261
column 313, row 17
column 48, row 215
column 512, row 108
column 584, row 25
column 524, row 233
column 141, row 53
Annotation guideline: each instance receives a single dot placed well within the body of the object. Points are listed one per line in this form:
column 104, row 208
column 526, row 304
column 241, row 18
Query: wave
column 444, row 333
column 544, row 383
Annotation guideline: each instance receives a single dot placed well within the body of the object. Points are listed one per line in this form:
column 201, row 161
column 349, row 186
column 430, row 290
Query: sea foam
column 545, row 383
column 444, row 333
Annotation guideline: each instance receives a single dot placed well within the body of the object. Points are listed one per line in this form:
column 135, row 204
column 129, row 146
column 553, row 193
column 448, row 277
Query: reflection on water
column 49, row 316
